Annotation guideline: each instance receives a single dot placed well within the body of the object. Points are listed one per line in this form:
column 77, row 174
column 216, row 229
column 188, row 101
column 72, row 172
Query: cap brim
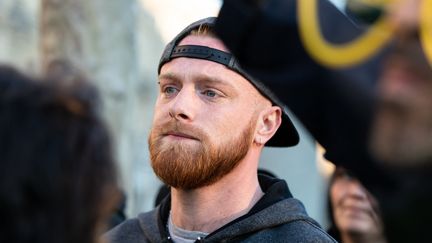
column 286, row 135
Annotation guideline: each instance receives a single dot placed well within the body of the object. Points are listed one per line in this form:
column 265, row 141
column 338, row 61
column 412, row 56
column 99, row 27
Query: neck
column 362, row 238
column 209, row 208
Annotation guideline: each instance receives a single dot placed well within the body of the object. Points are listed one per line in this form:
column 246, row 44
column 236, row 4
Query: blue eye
column 210, row 93
column 170, row 90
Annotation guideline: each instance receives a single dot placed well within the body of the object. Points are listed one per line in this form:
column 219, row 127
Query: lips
column 355, row 209
column 180, row 135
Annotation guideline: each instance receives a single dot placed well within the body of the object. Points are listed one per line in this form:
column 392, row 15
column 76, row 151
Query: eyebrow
column 170, row 76
column 201, row 79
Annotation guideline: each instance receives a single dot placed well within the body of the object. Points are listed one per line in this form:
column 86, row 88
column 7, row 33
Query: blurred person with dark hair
column 353, row 211
column 57, row 174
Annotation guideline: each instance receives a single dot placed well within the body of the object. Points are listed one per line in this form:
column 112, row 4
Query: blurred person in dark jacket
column 57, row 174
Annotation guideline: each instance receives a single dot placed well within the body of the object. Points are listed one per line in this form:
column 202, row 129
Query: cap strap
column 204, row 52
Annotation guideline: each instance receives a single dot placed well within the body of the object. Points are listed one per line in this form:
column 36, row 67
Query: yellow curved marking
column 377, row 3
column 340, row 55
column 426, row 28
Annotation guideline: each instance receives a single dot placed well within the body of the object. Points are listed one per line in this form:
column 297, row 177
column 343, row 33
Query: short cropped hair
column 57, row 173
column 204, row 30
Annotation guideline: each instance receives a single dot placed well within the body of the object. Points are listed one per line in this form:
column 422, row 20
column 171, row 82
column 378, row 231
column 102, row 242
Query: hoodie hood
column 276, row 208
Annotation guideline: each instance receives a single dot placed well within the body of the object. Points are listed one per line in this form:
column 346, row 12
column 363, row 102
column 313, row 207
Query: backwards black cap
column 286, row 135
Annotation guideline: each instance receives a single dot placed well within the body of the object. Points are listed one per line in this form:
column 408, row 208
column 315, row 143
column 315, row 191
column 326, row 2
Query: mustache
column 353, row 203
column 413, row 54
column 178, row 128
column 397, row 107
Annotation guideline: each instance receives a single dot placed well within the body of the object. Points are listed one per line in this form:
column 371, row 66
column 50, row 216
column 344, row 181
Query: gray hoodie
column 277, row 217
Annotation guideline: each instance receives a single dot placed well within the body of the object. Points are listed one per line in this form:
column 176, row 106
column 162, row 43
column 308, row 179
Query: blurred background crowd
column 116, row 45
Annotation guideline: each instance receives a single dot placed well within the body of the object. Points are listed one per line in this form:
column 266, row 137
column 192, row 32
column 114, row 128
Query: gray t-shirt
column 179, row 235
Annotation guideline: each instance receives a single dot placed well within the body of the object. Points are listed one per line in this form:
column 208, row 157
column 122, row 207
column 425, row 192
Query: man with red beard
column 210, row 125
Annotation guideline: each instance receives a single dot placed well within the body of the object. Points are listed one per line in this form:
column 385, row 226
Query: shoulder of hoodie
column 302, row 230
column 299, row 230
column 299, row 227
column 285, row 221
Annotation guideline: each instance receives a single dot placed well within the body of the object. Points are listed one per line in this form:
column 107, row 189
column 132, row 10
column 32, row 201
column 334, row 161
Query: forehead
column 204, row 40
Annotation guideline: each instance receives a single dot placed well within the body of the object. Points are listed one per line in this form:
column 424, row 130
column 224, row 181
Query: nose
column 404, row 16
column 355, row 189
column 184, row 106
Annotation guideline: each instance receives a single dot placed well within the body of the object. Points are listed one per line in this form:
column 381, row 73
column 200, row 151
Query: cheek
column 223, row 119
column 336, row 193
column 159, row 113
column 219, row 129
column 156, row 120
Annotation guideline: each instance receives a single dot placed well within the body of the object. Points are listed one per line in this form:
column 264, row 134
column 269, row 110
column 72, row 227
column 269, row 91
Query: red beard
column 188, row 166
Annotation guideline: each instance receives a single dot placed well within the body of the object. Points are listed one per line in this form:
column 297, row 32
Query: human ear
column 268, row 122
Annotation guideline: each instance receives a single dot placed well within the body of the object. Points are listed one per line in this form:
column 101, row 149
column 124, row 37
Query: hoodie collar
column 274, row 189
